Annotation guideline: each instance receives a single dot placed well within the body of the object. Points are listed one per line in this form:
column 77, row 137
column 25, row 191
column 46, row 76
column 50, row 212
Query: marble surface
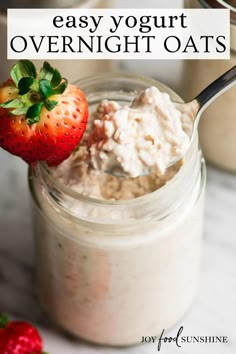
column 213, row 313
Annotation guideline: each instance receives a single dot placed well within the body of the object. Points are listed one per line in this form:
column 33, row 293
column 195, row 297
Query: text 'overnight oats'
column 136, row 140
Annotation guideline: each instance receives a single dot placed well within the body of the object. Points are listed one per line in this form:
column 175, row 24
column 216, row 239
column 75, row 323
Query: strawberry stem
column 3, row 321
column 34, row 90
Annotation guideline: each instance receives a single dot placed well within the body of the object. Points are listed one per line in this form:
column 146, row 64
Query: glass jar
column 217, row 128
column 68, row 68
column 114, row 271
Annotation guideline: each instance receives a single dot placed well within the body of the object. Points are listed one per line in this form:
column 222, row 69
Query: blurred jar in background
column 69, row 68
column 217, row 127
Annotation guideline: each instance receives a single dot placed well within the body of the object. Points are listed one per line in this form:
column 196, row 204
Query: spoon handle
column 217, row 87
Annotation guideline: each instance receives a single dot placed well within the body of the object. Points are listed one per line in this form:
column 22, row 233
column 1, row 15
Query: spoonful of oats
column 150, row 135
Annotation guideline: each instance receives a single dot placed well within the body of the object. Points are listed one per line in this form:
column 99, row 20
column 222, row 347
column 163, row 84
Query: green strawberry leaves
column 3, row 320
column 16, row 103
column 60, row 88
column 51, row 82
column 23, row 68
column 49, row 73
column 33, row 113
column 56, row 79
column 50, row 104
column 24, row 84
column 34, row 90
column 20, row 111
column 20, row 107
column 45, row 88
column 46, row 72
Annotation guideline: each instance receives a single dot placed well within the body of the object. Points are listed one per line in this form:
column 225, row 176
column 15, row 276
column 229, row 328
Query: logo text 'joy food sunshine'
column 179, row 339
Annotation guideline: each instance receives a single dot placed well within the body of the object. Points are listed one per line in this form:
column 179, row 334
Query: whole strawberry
column 42, row 117
column 19, row 338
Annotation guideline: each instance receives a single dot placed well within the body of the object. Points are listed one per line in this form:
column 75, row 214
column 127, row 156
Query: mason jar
column 217, row 128
column 68, row 68
column 113, row 271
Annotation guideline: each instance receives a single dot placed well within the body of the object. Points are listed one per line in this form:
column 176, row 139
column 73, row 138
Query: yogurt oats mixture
column 112, row 268
column 138, row 139
column 133, row 140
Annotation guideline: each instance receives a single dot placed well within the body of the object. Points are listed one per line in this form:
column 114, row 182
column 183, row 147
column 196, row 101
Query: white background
column 38, row 24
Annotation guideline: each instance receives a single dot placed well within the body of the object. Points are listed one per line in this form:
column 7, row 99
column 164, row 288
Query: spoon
column 192, row 111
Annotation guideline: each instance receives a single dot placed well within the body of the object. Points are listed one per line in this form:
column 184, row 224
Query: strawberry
column 19, row 338
column 42, row 117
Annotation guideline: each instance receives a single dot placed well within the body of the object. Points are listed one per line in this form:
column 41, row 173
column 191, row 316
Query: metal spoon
column 192, row 110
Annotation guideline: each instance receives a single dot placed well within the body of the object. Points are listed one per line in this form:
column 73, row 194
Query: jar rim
column 125, row 75
column 124, row 202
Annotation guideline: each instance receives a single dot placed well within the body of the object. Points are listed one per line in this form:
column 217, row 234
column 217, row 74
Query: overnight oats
column 118, row 258
column 139, row 139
